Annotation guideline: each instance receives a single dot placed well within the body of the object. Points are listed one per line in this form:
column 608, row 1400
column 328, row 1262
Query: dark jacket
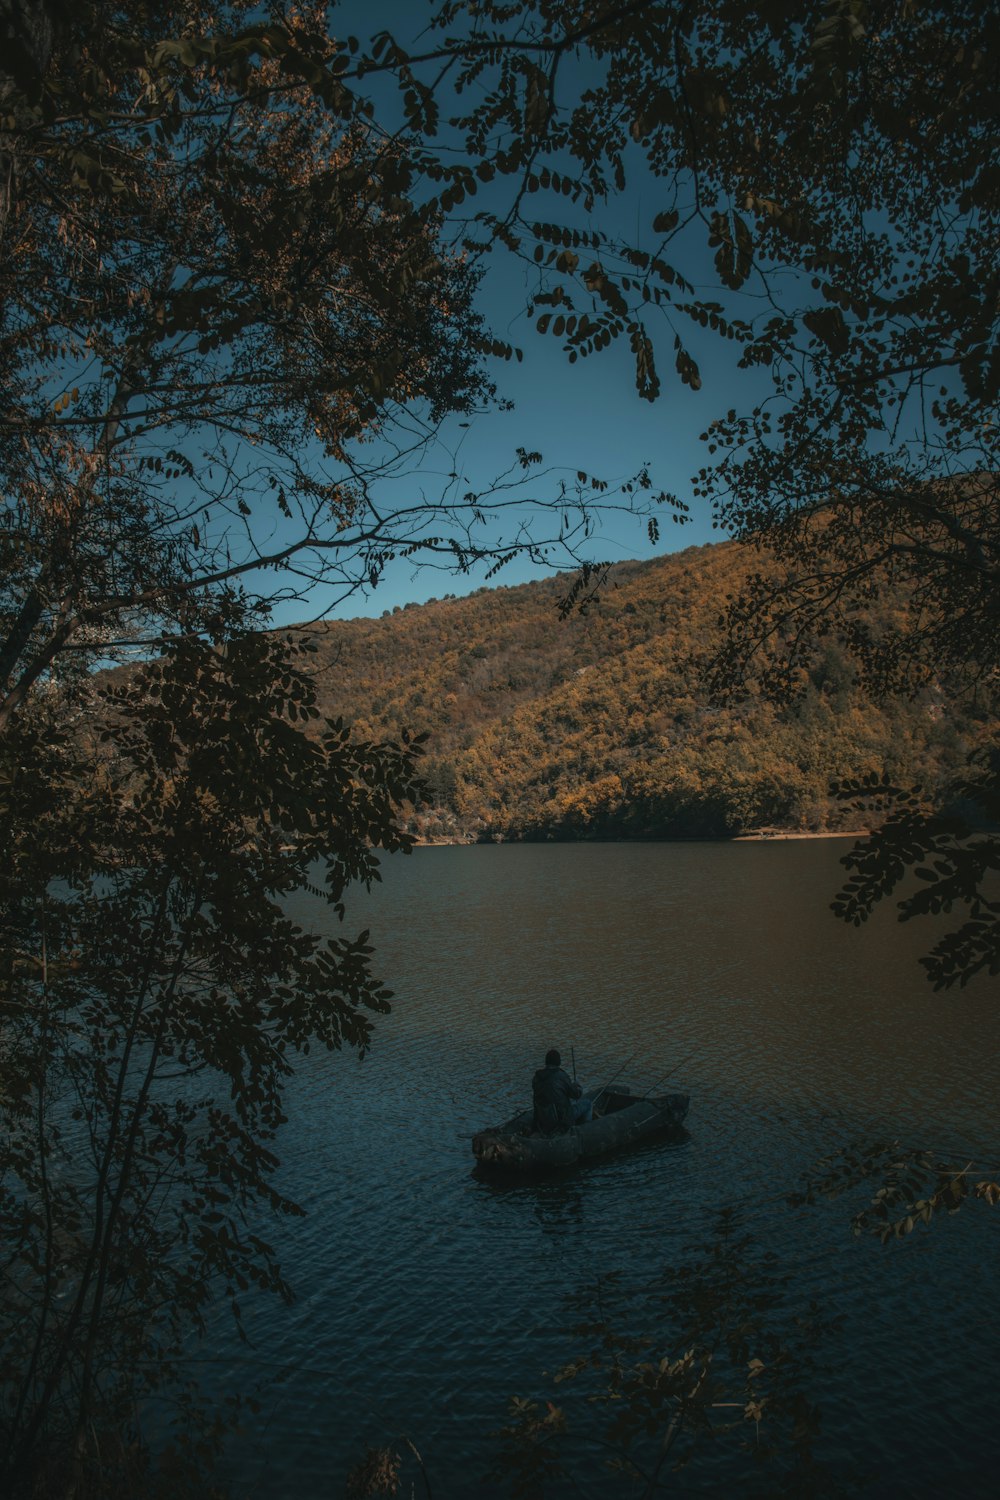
column 553, row 1091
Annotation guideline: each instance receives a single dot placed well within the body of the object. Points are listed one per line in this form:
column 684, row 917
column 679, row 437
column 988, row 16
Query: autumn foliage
column 604, row 725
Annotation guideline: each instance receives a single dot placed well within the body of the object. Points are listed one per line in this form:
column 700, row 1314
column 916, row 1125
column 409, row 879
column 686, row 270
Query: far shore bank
column 767, row 834
column 760, row 836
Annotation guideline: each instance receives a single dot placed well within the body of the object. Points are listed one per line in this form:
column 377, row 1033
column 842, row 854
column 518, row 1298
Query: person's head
column 552, row 1058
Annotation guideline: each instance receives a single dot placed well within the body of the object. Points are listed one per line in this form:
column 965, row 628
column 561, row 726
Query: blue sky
column 587, row 417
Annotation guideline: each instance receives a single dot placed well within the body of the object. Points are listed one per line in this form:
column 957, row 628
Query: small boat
column 624, row 1118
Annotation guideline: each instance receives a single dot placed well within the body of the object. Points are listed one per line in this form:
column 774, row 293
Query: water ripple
column 428, row 1295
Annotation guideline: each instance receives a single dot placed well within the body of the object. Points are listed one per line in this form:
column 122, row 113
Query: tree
column 212, row 282
column 155, row 1000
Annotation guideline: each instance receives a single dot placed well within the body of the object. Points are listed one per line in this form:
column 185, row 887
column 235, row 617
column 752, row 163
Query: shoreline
column 766, row 836
column 762, row 836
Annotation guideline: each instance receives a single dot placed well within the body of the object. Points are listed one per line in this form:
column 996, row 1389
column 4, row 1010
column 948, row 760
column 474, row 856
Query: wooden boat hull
column 514, row 1148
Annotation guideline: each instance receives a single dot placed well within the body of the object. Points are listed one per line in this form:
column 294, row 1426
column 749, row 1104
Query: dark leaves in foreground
column 954, row 853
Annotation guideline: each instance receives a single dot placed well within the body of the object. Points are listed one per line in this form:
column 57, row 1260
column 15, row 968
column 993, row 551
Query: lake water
column 428, row 1297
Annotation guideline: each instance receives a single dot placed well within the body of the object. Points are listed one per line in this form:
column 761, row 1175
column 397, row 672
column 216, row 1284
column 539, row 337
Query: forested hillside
column 601, row 725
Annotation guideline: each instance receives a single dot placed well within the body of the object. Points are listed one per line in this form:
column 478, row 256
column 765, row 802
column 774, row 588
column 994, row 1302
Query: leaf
column 828, row 324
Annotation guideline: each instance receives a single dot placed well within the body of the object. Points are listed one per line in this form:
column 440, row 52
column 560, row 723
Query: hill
column 600, row 725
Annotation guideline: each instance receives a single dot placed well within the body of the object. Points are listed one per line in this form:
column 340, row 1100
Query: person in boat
column 558, row 1099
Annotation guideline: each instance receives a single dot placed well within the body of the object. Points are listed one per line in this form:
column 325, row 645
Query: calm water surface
column 427, row 1297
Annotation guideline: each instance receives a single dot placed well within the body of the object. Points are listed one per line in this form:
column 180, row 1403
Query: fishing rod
column 676, row 1068
column 610, row 1081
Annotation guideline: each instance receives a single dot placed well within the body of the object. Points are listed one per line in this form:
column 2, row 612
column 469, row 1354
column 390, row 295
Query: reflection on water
column 428, row 1295
column 556, row 1201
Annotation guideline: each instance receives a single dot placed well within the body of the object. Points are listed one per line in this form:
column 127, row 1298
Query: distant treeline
column 600, row 726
